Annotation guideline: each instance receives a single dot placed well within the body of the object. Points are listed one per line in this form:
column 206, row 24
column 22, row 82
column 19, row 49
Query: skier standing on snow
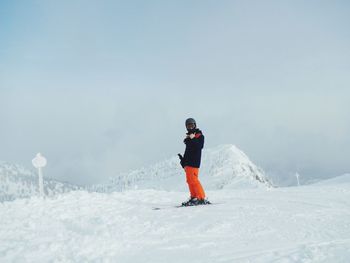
column 191, row 162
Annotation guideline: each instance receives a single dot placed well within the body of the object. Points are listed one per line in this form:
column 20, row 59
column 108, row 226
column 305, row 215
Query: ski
column 179, row 206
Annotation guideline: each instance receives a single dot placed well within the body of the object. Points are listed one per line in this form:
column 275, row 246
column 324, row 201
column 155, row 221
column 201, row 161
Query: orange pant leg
column 194, row 185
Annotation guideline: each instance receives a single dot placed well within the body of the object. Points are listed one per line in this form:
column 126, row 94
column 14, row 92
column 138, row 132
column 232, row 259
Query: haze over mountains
column 223, row 167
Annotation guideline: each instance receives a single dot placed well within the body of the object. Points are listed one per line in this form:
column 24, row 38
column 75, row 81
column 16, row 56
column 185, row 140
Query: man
column 191, row 162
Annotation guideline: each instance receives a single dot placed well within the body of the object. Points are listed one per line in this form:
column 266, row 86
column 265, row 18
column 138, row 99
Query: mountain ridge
column 223, row 167
column 19, row 182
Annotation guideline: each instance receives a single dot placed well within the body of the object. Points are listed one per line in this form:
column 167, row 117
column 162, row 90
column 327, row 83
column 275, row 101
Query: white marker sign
column 39, row 162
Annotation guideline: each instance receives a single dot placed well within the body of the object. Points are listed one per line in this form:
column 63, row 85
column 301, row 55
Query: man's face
column 190, row 126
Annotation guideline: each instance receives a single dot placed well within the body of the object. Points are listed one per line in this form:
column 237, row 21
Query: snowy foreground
column 305, row 224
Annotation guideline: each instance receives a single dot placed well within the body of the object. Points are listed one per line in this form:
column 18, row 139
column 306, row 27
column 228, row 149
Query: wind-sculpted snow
column 262, row 225
column 18, row 182
column 223, row 167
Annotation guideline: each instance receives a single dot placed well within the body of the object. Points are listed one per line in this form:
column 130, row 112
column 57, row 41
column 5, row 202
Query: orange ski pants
column 194, row 185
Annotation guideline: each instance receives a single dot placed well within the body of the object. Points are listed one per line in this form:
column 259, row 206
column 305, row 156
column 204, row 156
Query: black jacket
column 193, row 152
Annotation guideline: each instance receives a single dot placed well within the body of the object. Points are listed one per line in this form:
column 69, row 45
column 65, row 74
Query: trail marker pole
column 40, row 162
column 297, row 176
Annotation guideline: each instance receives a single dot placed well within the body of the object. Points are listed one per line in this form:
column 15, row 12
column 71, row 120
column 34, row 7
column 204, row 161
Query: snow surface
column 343, row 179
column 250, row 221
column 296, row 224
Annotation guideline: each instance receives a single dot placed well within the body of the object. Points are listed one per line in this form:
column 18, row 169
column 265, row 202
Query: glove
column 192, row 135
column 182, row 161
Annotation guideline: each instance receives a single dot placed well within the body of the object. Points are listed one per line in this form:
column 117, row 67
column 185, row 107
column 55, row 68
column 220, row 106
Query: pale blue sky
column 101, row 87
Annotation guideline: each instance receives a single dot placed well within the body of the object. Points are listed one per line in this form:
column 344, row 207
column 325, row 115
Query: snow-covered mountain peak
column 230, row 167
column 224, row 166
column 226, row 154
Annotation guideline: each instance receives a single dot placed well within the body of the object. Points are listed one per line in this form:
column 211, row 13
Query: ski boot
column 195, row 201
column 190, row 202
column 201, row 202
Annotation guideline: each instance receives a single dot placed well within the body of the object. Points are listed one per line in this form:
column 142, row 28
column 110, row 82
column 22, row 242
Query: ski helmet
column 190, row 121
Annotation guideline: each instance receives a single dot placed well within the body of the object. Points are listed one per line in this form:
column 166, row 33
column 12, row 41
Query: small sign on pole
column 40, row 162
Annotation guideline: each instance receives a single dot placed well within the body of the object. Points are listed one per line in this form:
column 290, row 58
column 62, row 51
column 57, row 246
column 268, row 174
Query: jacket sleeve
column 197, row 143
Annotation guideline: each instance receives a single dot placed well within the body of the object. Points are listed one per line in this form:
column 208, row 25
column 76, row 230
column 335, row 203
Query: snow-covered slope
column 18, row 182
column 296, row 224
column 342, row 179
column 223, row 167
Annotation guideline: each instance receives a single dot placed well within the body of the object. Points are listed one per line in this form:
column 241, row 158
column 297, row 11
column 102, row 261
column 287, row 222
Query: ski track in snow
column 298, row 224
